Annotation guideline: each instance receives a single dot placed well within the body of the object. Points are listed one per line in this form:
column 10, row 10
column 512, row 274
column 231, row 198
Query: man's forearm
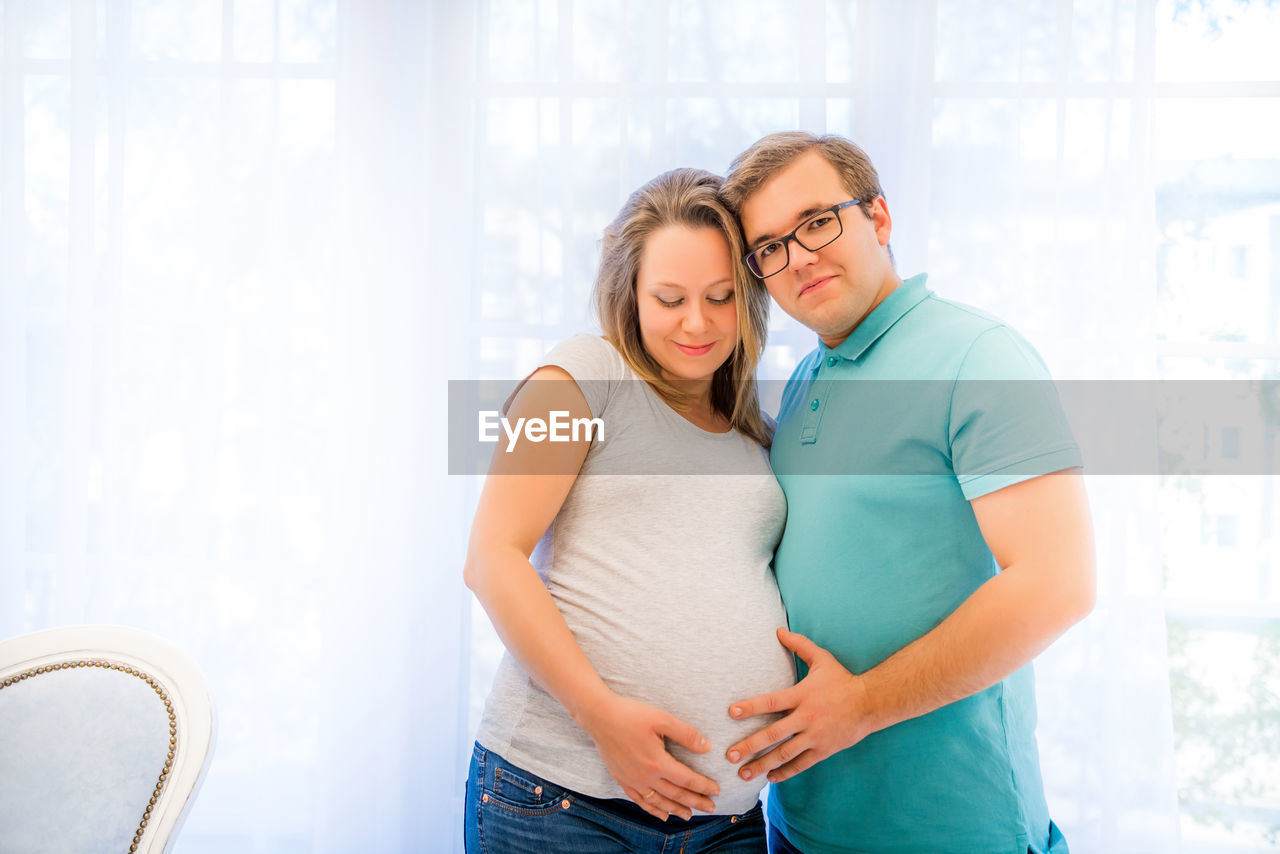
column 1006, row 623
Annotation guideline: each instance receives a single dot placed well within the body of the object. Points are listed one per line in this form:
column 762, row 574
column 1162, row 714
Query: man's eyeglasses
column 813, row 234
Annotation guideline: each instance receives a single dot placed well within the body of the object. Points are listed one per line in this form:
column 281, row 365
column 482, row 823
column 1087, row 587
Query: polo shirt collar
column 905, row 297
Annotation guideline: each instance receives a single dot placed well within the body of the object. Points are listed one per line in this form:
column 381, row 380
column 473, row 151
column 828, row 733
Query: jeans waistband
column 619, row 807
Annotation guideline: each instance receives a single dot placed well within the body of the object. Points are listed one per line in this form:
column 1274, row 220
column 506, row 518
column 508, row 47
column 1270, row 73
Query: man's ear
column 881, row 219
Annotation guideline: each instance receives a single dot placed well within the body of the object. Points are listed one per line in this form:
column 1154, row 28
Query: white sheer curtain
column 231, row 297
column 246, row 244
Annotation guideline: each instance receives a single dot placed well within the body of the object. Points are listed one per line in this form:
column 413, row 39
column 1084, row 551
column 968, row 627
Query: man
column 949, row 544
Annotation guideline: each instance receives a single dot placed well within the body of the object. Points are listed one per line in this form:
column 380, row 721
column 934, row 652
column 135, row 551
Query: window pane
column 45, row 367
column 163, row 29
column 1217, row 40
column 253, row 36
column 1204, row 128
column 523, row 40
column 709, row 132
column 997, row 41
column 1218, row 214
column 842, row 25
column 1216, row 533
column 47, row 29
column 1103, row 35
column 307, row 30
column 599, row 33
column 1227, row 723
column 520, row 233
column 733, row 41
column 47, row 162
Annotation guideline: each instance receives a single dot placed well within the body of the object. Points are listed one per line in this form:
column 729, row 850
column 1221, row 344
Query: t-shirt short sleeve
column 1006, row 423
column 595, row 365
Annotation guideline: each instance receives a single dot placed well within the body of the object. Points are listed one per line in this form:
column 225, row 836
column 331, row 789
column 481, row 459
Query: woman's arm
column 522, row 495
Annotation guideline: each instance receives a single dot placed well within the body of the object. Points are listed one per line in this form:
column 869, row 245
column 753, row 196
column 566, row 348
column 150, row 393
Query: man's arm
column 1041, row 535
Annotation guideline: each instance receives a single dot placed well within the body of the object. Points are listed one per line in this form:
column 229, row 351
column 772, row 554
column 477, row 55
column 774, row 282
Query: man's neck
column 890, row 284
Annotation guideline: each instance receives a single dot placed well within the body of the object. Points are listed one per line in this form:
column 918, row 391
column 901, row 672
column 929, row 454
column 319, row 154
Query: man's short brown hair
column 752, row 168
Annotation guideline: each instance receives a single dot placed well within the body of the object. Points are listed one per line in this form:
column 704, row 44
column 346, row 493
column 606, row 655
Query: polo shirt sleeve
column 1005, row 421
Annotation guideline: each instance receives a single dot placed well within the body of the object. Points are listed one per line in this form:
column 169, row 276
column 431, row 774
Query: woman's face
column 684, row 289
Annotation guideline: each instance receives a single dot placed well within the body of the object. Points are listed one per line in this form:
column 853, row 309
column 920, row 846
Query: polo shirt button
column 813, row 404
column 831, row 361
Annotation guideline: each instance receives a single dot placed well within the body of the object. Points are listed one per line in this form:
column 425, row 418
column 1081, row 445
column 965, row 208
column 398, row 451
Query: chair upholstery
column 105, row 736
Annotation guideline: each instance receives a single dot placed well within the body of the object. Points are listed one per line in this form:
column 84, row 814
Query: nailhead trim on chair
column 145, row 677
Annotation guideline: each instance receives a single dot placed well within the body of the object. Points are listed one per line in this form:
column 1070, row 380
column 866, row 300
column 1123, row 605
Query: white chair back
column 105, row 735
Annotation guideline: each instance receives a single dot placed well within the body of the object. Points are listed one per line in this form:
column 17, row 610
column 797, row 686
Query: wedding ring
column 652, row 792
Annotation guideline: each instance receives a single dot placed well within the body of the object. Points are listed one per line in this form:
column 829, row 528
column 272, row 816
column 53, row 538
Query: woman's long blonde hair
column 691, row 198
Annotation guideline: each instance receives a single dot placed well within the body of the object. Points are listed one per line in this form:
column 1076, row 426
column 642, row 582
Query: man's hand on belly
column 829, row 710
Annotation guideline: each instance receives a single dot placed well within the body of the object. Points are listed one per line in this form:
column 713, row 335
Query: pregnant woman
column 628, row 573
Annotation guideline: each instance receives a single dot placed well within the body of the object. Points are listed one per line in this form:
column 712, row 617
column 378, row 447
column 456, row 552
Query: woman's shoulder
column 587, row 357
column 594, row 364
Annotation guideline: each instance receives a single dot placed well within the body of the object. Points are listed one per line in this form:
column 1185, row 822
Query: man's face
column 832, row 289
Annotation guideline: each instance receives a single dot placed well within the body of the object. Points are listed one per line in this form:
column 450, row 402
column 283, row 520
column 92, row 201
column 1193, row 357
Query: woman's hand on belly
column 629, row 736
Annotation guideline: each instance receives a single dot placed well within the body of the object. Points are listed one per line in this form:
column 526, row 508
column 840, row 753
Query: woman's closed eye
column 714, row 299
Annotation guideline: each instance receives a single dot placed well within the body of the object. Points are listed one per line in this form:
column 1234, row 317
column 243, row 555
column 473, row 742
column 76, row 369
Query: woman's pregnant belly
column 694, row 663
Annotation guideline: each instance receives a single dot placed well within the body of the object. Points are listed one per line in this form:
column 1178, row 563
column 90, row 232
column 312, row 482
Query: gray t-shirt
column 664, row 580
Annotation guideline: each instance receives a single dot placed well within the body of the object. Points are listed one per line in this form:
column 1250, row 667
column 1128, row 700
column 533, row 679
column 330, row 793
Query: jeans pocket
column 518, row 791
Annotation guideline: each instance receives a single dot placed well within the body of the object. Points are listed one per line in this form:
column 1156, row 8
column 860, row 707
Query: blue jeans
column 510, row 811
column 778, row 843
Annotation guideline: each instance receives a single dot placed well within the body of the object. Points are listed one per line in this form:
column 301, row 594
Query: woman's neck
column 701, row 411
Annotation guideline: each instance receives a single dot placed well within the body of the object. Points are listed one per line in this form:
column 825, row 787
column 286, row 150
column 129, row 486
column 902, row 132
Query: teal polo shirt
column 881, row 444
